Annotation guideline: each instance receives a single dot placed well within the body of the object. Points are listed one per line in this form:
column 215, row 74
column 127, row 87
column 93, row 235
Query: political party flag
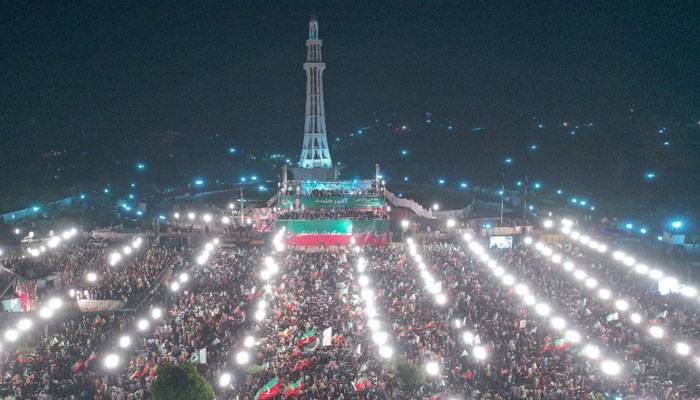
column 361, row 384
column 309, row 337
column 295, row 388
column 199, row 356
column 269, row 391
column 77, row 366
column 560, row 344
column 301, row 364
column 612, row 317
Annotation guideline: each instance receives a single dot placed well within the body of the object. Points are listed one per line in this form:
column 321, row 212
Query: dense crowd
column 318, row 290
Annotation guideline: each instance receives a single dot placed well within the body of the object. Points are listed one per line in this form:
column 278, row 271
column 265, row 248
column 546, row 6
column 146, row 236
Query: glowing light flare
column 111, row 361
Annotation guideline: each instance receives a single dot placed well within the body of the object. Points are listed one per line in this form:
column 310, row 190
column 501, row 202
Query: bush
column 180, row 382
column 408, row 376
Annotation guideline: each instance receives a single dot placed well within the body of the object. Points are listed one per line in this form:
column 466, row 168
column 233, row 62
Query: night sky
column 103, row 81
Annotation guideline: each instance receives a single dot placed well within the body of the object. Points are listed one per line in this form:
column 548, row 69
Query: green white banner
column 333, row 202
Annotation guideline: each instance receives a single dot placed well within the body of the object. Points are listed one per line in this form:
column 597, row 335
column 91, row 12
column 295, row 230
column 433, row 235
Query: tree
column 408, row 376
column 181, row 382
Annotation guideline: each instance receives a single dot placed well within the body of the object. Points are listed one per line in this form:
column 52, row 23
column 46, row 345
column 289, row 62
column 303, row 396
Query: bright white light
column 249, row 341
column 363, row 280
column 225, row 220
column 591, row 351
column 380, row 338
column 591, row 283
column 610, row 367
column 572, row 336
column 55, row 303
column 558, row 323
column 568, row 265
column 527, row 240
column 543, row 309
column 386, row 352
column 111, row 361
column 225, row 380
column 54, row 242
column 499, row 271
column 209, row 246
column 575, row 235
column 636, row 318
column 656, row 274
column 24, row 324
column 142, row 325
column 91, row 277
column 656, row 332
column 11, row 335
column 556, row 258
column 451, row 223
column 207, row 218
column 242, row 357
column 547, row 251
column 202, row 259
column 566, row 230
column 628, row 261
column 548, row 224
column 618, row 255
column 622, row 305
column 191, row 216
column 508, row 280
column 604, row 294
column 124, row 341
column 175, row 286
column 176, row 215
column 126, row 250
column 373, row 324
column 585, row 239
column 479, row 352
column 682, row 348
column 468, row 238
column 579, row 275
column 521, row 290
column 260, row 315
column 45, row 312
column 602, row 248
column 114, row 258
column 441, row 299
column 641, row 269
column 183, row 277
column 669, row 284
column 432, row 368
column 468, row 338
column 156, row 313
column 457, row 323
column 529, row 300
column 689, row 291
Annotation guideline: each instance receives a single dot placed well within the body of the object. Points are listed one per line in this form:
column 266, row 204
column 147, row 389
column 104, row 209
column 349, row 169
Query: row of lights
column 435, row 289
column 52, row 242
column 112, row 359
column 48, row 310
column 367, row 294
column 23, row 326
column 117, row 255
column 270, row 269
column 666, row 282
column 206, row 218
column 620, row 304
column 590, row 350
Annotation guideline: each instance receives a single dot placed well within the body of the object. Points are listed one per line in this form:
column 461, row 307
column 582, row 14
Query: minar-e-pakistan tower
column 314, row 153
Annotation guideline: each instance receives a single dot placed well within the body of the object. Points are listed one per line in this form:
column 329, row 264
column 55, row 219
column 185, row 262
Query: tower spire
column 314, row 152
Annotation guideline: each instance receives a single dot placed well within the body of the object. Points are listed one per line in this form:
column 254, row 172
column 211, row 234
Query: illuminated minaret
column 314, row 153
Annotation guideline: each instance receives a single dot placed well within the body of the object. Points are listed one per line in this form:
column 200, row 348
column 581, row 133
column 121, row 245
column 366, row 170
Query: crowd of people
column 205, row 323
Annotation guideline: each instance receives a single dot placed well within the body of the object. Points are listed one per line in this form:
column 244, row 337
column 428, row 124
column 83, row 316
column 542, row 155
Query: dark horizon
column 103, row 82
